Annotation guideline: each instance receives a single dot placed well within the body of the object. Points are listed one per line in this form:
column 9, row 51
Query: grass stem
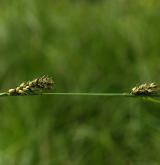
column 84, row 94
column 152, row 98
column 90, row 94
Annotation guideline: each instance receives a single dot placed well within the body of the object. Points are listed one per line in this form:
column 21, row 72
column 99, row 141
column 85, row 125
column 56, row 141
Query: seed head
column 146, row 89
column 30, row 87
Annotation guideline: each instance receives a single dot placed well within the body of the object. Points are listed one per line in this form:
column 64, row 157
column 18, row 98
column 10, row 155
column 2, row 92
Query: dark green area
column 87, row 46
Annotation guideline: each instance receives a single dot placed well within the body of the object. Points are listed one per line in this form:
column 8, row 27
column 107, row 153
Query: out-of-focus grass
column 88, row 46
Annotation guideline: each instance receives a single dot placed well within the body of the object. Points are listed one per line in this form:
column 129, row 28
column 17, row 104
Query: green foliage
column 87, row 46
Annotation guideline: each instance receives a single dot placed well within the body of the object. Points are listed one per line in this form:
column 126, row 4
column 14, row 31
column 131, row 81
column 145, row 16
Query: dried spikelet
column 146, row 89
column 30, row 87
column 42, row 83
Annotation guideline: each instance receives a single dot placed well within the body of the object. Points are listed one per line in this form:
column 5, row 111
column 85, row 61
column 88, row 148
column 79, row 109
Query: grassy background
column 87, row 46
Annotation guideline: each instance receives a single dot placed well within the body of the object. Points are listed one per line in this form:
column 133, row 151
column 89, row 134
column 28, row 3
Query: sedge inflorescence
column 146, row 89
column 31, row 87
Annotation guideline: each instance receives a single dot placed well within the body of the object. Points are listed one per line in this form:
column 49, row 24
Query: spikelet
column 31, row 87
column 146, row 89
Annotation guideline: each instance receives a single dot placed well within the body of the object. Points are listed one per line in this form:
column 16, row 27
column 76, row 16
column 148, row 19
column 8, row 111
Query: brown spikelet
column 43, row 82
column 146, row 89
column 30, row 87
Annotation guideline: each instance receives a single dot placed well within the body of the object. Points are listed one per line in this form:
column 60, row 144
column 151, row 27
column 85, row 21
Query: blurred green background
column 87, row 46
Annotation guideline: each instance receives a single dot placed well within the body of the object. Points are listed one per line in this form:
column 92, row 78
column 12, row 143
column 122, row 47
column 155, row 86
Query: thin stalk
column 72, row 94
column 89, row 94
column 84, row 94
column 4, row 94
column 152, row 100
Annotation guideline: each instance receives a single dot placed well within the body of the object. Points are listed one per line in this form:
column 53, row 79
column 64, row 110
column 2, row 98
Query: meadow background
column 87, row 46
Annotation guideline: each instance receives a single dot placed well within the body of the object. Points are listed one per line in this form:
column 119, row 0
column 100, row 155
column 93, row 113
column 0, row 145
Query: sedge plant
column 39, row 86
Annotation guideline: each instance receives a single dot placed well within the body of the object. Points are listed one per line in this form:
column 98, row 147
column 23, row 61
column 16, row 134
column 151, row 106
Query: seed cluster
column 30, row 87
column 146, row 89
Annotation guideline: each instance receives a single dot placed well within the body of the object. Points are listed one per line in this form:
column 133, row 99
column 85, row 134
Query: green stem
column 90, row 94
column 4, row 94
column 152, row 100
column 102, row 94
column 85, row 94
